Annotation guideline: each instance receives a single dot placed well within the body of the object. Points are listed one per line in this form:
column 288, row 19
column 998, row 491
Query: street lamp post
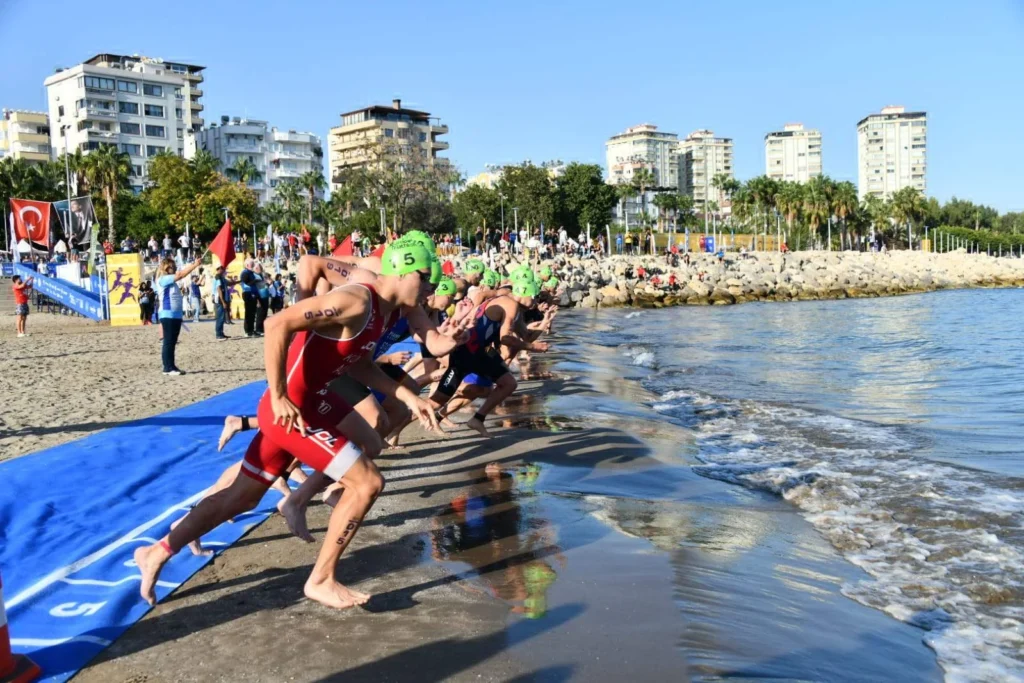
column 502, row 197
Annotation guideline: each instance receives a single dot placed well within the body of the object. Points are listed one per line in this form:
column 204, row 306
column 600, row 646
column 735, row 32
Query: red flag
column 223, row 246
column 448, row 268
column 379, row 251
column 343, row 249
column 31, row 220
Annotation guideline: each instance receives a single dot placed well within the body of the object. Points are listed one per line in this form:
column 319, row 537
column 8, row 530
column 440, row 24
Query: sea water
column 893, row 425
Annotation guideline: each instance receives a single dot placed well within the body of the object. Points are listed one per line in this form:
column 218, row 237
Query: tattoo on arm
column 322, row 313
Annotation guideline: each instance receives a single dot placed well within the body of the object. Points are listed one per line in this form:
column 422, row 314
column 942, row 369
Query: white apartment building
column 141, row 105
column 793, row 153
column 642, row 146
column 365, row 134
column 25, row 135
column 892, row 152
column 277, row 155
column 702, row 156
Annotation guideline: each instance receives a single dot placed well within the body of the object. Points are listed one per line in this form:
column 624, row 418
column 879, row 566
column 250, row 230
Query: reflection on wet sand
column 493, row 528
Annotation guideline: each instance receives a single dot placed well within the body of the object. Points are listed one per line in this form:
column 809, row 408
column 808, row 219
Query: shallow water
column 889, row 424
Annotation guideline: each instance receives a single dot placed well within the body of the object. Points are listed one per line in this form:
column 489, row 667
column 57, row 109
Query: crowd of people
column 371, row 344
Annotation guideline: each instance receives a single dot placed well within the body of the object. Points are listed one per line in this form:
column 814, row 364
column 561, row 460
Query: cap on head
column 490, row 279
column 422, row 238
column 435, row 270
column 522, row 274
column 404, row 257
column 474, row 265
column 525, row 289
column 446, row 287
column 545, row 272
column 551, row 284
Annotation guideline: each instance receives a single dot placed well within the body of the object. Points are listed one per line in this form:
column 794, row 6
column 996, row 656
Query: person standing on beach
column 308, row 346
column 220, row 303
column 262, row 285
column 21, row 293
column 171, row 310
column 250, row 298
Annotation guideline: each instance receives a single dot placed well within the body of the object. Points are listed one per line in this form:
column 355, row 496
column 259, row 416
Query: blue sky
column 543, row 80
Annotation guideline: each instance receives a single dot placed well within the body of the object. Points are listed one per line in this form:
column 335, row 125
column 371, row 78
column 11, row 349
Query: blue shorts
column 473, row 378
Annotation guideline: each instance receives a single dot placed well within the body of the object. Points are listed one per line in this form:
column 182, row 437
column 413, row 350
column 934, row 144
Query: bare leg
column 233, row 425
column 363, row 483
column 242, row 495
column 503, row 388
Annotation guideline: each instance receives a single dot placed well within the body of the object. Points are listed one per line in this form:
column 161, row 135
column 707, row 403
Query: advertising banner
column 124, row 275
column 77, row 299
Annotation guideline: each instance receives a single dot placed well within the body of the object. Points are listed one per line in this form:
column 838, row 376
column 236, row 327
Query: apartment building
column 793, row 153
column 141, row 105
column 277, row 155
column 364, row 134
column 25, row 135
column 643, row 146
column 702, row 156
column 892, row 152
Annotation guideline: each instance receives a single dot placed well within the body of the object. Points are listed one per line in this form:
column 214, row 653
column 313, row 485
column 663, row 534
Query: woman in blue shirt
column 169, row 296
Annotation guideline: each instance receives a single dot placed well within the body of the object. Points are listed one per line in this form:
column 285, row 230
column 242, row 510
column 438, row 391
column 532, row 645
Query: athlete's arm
column 425, row 332
column 367, row 372
column 508, row 335
column 371, row 263
column 341, row 308
column 316, row 269
column 187, row 269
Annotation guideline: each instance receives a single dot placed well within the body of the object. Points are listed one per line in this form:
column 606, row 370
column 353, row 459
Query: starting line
column 75, row 513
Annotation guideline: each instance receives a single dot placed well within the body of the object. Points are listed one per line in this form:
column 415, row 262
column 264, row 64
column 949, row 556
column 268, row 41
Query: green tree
column 431, row 214
column 476, row 206
column 107, row 171
column 907, row 207
column 624, row 192
column 312, row 182
column 844, row 202
column 643, row 179
column 878, row 212
column 816, row 206
column 289, row 195
column 666, row 202
column 244, row 171
column 582, row 197
column 528, row 187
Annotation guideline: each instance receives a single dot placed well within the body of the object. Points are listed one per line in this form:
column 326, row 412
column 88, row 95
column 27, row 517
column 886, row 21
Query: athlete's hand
column 398, row 357
column 422, row 411
column 287, row 414
column 539, row 346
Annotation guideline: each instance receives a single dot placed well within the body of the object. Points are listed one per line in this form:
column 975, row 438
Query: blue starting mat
column 71, row 517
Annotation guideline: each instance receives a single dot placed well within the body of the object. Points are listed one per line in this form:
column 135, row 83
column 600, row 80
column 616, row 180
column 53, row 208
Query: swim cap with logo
column 521, row 274
column 529, row 289
column 422, row 238
column 474, row 265
column 490, row 279
column 446, row 287
column 405, row 256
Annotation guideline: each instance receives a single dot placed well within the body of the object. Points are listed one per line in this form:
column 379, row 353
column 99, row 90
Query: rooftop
column 111, row 57
column 395, row 108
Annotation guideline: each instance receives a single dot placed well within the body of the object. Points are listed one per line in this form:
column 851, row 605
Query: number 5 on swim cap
column 404, row 257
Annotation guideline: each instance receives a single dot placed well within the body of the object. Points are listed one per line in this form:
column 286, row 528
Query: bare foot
column 232, row 425
column 478, row 426
column 332, row 494
column 295, row 518
column 333, row 594
column 391, row 447
column 445, row 422
column 195, row 546
column 150, row 560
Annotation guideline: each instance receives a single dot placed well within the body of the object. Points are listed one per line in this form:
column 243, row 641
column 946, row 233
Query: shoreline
column 768, row 276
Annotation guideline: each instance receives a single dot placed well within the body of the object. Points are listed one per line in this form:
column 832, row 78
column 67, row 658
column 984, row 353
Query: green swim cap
column 521, row 274
column 525, row 289
column 422, row 238
column 551, row 284
column 474, row 265
column 435, row 270
column 446, row 287
column 490, row 279
column 545, row 272
column 405, row 256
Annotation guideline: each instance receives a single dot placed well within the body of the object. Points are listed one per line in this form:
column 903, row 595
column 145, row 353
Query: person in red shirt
column 672, row 281
column 332, row 243
column 656, row 281
column 641, row 273
column 21, row 292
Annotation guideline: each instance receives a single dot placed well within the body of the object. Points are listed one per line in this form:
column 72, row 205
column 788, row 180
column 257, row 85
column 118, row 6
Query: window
column 155, row 131
column 179, row 114
column 154, row 110
column 134, row 150
column 136, row 170
column 153, row 150
column 178, row 95
column 128, row 107
column 128, row 86
column 423, row 137
column 130, row 128
column 105, row 126
column 181, row 134
column 154, row 90
column 84, row 125
column 388, row 133
column 60, row 110
column 99, row 83
column 80, row 104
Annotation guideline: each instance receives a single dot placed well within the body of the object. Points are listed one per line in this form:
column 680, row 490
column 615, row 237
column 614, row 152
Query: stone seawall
column 762, row 276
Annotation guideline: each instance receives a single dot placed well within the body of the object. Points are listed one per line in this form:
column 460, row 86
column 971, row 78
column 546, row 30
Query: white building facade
column 642, row 146
column 140, row 105
column 702, row 156
column 793, row 154
column 892, row 152
column 277, row 155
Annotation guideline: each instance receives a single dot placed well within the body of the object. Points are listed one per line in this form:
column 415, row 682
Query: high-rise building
column 365, row 135
column 25, row 135
column 702, row 156
column 277, row 155
column 891, row 152
column 141, row 105
column 642, row 146
column 793, row 153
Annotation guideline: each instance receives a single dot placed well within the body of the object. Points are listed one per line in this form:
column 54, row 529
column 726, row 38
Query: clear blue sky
column 543, row 80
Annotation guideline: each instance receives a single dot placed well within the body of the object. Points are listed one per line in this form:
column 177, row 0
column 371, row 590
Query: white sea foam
column 634, row 314
column 943, row 547
column 640, row 354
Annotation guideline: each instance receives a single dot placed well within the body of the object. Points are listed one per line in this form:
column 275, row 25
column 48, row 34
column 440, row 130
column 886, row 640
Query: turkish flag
column 379, row 251
column 448, row 268
column 223, row 246
column 31, row 220
column 343, row 249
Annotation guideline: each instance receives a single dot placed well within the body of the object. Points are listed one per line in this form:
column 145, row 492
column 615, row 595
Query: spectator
column 171, row 312
column 146, row 302
column 153, row 246
column 332, row 243
column 195, row 297
column 629, row 243
column 220, row 302
column 168, row 246
column 250, row 298
column 277, row 294
column 262, row 285
column 21, row 293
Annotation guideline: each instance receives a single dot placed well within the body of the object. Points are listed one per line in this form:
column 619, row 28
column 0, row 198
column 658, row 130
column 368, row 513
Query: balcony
column 196, row 92
column 438, row 145
column 245, row 147
column 194, row 77
column 31, row 138
column 103, row 92
column 439, row 130
column 93, row 113
column 197, row 106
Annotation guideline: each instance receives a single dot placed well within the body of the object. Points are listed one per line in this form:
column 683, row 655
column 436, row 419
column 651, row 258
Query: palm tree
column 290, row 195
column 311, row 181
column 844, row 202
column 665, row 201
column 643, row 178
column 107, row 170
column 244, row 171
column 816, row 207
column 625, row 192
column 907, row 206
column 788, row 202
column 878, row 211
